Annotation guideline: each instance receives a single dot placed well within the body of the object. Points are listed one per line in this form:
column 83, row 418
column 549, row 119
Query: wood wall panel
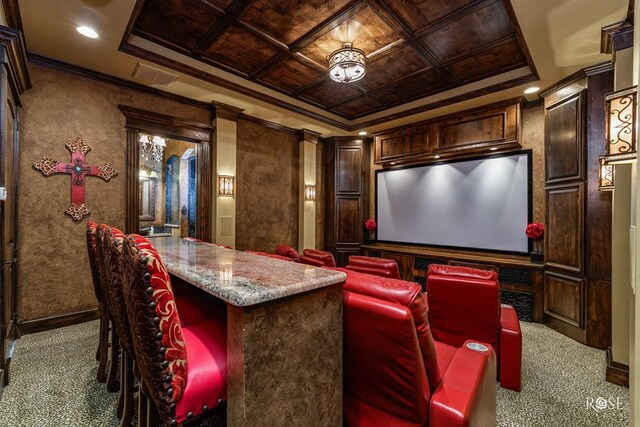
column 564, row 298
column 349, row 174
column 565, row 229
column 578, row 216
column 485, row 129
column 347, row 171
column 347, row 224
column 564, row 144
column 460, row 134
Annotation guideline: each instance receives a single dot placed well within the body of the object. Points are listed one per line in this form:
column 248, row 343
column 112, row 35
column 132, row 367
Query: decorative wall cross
column 78, row 171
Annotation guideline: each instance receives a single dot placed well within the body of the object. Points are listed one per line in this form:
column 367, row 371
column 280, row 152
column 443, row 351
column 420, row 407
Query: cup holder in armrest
column 476, row 346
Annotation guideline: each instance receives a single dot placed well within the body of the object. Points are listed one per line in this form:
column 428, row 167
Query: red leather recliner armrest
column 467, row 394
column 510, row 349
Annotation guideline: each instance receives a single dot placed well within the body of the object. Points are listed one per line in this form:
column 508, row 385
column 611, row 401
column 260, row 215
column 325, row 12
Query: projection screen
column 480, row 203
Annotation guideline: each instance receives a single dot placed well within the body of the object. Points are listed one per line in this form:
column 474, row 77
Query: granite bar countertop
column 239, row 278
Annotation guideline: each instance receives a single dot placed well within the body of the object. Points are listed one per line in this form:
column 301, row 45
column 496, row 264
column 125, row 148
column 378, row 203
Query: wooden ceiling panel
column 242, row 50
column 392, row 66
column 414, row 48
column 498, row 59
column 360, row 106
column 330, row 93
column 288, row 20
column 413, row 87
column 180, row 23
column 292, row 74
column 470, row 32
column 420, row 13
column 366, row 30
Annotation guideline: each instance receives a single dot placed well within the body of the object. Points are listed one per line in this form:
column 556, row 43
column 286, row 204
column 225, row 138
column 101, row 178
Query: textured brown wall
column 54, row 272
column 532, row 137
column 267, row 187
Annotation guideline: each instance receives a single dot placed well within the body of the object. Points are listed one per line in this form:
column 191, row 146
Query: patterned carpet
column 53, row 384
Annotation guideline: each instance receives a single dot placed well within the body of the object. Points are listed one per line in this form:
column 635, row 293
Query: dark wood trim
column 15, row 60
column 268, row 124
column 12, row 13
column 174, row 127
column 46, row 61
column 225, row 111
column 499, row 104
column 616, row 37
column 308, row 135
column 52, row 322
column 589, row 71
column 617, row 373
column 520, row 36
column 169, row 125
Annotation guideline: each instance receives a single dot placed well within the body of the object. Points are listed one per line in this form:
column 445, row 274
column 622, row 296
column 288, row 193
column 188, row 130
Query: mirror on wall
column 167, row 176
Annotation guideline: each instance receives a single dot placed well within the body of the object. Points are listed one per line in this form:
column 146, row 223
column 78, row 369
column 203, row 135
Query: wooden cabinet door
column 564, row 139
column 8, row 229
column 564, row 234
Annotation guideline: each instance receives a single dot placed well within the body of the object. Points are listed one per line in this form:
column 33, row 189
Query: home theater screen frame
column 479, row 203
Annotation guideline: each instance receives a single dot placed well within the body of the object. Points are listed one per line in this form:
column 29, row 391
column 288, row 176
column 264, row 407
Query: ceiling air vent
column 153, row 76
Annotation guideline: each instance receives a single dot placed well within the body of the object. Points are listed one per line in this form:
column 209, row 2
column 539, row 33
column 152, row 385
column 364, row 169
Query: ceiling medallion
column 346, row 65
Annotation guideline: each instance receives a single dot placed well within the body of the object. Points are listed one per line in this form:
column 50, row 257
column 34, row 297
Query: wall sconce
column 225, row 185
column 310, row 192
column 605, row 176
column 621, row 127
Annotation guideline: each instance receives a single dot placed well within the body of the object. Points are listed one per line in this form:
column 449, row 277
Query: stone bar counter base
column 284, row 332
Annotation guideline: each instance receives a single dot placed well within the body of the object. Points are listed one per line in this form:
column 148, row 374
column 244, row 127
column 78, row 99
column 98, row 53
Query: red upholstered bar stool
column 317, row 258
column 396, row 374
column 464, row 303
column 182, row 368
column 376, row 266
column 103, row 337
column 288, row 252
column 110, row 242
column 113, row 379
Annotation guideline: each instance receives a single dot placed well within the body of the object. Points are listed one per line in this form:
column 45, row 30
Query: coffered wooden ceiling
column 414, row 48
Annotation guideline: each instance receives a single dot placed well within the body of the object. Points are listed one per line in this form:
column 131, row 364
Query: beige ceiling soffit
column 160, row 55
column 187, row 65
column 471, row 88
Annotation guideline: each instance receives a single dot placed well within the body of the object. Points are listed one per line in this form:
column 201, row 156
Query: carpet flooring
column 53, row 384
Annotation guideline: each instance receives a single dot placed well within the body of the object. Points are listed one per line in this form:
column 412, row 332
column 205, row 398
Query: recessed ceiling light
column 87, row 32
column 436, row 157
column 362, row 133
column 532, row 89
column 493, row 148
column 392, row 163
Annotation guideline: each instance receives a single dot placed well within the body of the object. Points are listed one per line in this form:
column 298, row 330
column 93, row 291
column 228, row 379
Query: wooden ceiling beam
column 231, row 15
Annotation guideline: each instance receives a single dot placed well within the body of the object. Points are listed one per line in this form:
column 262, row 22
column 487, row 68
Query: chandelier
column 152, row 147
column 346, row 65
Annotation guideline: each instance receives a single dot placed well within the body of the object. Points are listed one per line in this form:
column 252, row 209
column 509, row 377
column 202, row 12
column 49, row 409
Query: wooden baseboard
column 617, row 373
column 53, row 322
column 2, row 380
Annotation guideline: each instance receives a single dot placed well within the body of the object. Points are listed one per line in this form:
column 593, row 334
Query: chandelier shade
column 152, row 147
column 347, row 64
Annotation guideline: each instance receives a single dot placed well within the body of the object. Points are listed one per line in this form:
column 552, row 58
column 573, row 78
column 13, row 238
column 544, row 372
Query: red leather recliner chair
column 396, row 374
column 464, row 303
column 377, row 266
column 317, row 258
column 288, row 251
